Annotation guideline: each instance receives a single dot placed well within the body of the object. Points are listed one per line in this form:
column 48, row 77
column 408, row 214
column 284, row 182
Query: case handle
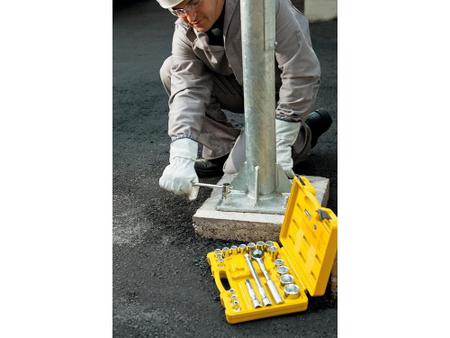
column 218, row 281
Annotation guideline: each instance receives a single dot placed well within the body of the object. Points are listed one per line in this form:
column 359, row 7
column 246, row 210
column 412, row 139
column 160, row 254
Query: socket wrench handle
column 251, row 292
column 272, row 287
column 207, row 185
column 226, row 189
column 274, row 291
column 265, row 299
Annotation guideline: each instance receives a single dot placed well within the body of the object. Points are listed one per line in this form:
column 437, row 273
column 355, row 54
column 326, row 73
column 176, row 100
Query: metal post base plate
column 267, row 204
column 240, row 200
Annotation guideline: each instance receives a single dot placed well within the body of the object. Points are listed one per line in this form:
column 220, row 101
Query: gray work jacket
column 194, row 63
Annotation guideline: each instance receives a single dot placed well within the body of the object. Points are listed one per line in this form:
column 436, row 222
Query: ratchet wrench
column 265, row 299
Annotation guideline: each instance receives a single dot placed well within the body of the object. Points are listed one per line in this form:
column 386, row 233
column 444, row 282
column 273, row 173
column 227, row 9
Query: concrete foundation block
column 236, row 226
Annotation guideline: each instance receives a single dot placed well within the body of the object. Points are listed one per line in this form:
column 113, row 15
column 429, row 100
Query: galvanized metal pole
column 260, row 184
column 258, row 53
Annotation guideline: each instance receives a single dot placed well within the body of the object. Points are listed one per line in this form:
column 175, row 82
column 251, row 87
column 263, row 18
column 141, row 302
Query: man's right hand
column 286, row 135
column 179, row 176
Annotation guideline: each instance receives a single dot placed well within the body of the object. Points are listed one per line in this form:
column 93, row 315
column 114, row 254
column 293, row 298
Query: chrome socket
column 279, row 262
column 273, row 252
column 282, row 270
column 234, row 249
column 234, row 299
column 260, row 245
column 291, row 291
column 267, row 245
column 242, row 248
column 218, row 254
column 226, row 251
column 236, row 306
column 286, row 279
column 250, row 247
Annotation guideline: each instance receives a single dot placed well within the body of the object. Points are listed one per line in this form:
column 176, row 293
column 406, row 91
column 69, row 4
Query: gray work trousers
column 218, row 136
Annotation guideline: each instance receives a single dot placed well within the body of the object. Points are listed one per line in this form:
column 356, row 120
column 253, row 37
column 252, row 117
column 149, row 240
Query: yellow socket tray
column 308, row 238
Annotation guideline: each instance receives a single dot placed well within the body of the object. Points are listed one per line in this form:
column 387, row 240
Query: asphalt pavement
column 162, row 284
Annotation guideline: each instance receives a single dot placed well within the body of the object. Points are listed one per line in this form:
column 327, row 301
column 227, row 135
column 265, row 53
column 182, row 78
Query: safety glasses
column 190, row 7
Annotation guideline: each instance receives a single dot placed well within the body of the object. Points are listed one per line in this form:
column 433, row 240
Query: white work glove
column 179, row 176
column 286, row 135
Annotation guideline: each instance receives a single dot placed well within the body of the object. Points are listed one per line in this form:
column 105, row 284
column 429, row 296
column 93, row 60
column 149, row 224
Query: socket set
column 264, row 279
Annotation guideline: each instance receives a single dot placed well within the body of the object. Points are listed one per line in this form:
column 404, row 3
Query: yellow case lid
column 309, row 237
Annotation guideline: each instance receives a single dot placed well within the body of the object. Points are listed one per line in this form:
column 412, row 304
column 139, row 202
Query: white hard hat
column 169, row 3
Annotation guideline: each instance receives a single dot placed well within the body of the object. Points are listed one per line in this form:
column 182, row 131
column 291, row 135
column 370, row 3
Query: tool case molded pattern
column 308, row 238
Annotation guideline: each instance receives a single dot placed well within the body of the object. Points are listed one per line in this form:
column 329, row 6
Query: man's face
column 201, row 14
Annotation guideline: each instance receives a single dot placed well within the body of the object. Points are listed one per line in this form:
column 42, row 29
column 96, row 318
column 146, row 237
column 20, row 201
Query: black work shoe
column 318, row 121
column 210, row 168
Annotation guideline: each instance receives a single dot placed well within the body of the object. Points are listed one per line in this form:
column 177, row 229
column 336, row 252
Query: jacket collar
column 230, row 7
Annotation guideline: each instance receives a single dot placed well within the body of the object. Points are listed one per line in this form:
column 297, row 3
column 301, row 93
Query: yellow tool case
column 288, row 273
